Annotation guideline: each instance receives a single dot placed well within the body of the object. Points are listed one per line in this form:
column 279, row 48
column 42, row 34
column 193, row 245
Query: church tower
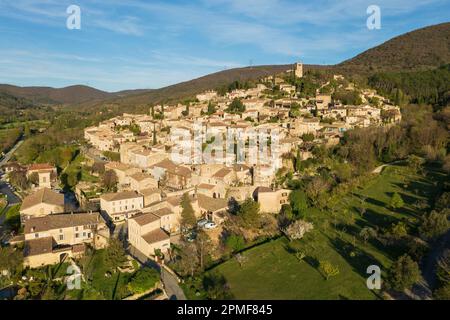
column 298, row 70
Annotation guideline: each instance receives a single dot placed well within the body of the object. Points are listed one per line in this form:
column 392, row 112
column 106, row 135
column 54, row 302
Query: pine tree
column 188, row 219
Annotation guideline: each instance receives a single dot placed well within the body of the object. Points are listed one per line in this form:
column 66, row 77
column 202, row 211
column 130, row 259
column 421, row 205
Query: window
column 77, row 235
column 89, row 235
column 61, row 237
column 76, row 228
column 36, row 235
column 84, row 234
column 60, row 230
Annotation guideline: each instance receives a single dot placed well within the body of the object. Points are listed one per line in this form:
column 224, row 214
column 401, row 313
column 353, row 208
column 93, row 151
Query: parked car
column 210, row 225
column 201, row 223
column 191, row 236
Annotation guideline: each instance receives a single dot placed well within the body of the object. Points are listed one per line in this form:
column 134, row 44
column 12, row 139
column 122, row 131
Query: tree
column 404, row 273
column 308, row 137
column 415, row 163
column 115, row 254
column 249, row 213
column 235, row 242
column 155, row 140
column 297, row 229
column 203, row 244
column 399, row 230
column 443, row 268
column 188, row 261
column 396, row 201
column 299, row 202
column 143, row 280
column 446, row 163
column 188, row 219
column 216, row 286
column 442, row 202
column 433, row 225
column 34, row 178
column 328, row 269
column 317, row 190
column 236, row 106
column 10, row 260
column 367, row 233
column 110, row 180
column 98, row 167
column 211, row 108
column 19, row 180
column 442, row 293
column 286, row 212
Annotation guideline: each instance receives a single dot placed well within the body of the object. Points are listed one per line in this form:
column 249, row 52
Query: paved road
column 12, row 197
column 10, row 153
column 429, row 267
column 173, row 290
column 170, row 282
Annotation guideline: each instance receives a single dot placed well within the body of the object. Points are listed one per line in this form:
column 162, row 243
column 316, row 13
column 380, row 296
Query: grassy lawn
column 272, row 272
column 111, row 288
column 12, row 217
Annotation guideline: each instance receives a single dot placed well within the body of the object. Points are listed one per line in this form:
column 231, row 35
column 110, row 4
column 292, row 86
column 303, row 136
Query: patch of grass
column 113, row 287
column 272, row 271
column 12, row 217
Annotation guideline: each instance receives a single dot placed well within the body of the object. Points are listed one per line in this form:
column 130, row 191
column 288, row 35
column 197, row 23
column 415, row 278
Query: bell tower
column 298, row 69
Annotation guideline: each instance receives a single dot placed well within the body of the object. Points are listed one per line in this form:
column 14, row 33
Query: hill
column 192, row 87
column 48, row 95
column 421, row 49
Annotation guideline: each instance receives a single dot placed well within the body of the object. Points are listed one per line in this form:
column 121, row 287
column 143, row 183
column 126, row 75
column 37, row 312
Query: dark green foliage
column 188, row 219
column 216, row 287
column 404, row 273
column 235, row 242
column 236, row 106
column 421, row 87
column 249, row 213
column 115, row 254
column 143, row 280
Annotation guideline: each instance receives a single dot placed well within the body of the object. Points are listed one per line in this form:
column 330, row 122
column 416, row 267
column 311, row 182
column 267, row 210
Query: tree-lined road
column 9, row 154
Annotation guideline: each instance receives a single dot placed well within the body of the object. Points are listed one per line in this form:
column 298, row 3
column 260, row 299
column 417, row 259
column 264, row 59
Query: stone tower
column 298, row 70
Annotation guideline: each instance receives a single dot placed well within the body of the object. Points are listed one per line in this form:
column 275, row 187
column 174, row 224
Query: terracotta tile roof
column 145, row 218
column 222, row 173
column 38, row 246
column 141, row 176
column 206, row 186
column 155, row 236
column 163, row 212
column 211, row 204
column 150, row 191
column 116, row 196
column 174, row 201
column 44, row 195
column 173, row 168
column 61, row 221
column 40, row 166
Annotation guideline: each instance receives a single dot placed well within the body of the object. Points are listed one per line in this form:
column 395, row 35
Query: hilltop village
column 147, row 182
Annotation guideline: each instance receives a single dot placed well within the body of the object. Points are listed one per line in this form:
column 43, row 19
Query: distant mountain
column 48, row 95
column 421, row 49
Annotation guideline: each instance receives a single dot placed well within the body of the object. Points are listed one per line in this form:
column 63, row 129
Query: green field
column 273, row 272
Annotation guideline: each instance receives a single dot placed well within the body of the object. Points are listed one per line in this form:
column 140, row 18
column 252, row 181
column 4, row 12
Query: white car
column 201, row 223
column 210, row 225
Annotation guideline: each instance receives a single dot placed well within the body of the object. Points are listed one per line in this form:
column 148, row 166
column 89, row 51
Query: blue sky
column 129, row 44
